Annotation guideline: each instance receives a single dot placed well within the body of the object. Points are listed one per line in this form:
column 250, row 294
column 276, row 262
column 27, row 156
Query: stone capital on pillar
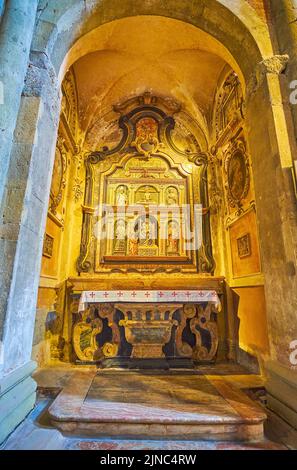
column 272, row 65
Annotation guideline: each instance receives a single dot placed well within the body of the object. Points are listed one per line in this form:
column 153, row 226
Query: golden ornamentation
column 69, row 103
column 110, row 350
column 229, row 105
column 84, row 336
column 148, row 327
column 200, row 317
column 77, row 189
column 205, row 322
column 146, row 141
column 145, row 169
column 189, row 310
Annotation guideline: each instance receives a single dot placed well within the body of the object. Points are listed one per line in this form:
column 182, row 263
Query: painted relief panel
column 135, row 230
column 237, row 176
column 244, row 245
column 50, row 255
column 48, row 246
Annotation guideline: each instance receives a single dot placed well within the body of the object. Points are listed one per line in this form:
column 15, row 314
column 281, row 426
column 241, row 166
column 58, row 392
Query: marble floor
column 38, row 432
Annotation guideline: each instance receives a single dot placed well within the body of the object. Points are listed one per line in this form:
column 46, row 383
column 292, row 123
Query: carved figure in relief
column 236, row 178
column 173, row 238
column 147, row 233
column 145, row 238
column 132, row 242
column 120, row 237
column 147, row 197
column 171, row 196
column 121, row 197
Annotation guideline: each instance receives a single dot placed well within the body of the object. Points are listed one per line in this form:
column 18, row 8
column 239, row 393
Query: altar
column 145, row 225
column 134, row 327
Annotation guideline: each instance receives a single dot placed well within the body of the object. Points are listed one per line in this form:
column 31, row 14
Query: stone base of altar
column 156, row 404
column 147, row 363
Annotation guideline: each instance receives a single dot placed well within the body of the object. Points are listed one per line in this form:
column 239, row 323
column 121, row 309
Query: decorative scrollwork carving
column 199, row 159
column 84, row 336
column 59, row 176
column 203, row 321
column 183, row 348
column 88, row 327
column 199, row 318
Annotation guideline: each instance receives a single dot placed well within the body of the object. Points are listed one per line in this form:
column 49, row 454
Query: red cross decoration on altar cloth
column 174, row 294
column 134, row 294
column 106, row 294
column 160, row 294
column 120, row 294
column 92, row 294
column 201, row 294
column 147, row 294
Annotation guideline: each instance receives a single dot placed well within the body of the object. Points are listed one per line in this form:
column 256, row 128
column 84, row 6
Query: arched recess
column 58, row 41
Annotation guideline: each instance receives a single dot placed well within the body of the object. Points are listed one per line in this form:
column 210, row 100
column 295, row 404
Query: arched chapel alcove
column 162, row 125
column 209, row 84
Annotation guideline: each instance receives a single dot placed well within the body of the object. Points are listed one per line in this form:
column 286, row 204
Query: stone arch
column 236, row 25
column 62, row 26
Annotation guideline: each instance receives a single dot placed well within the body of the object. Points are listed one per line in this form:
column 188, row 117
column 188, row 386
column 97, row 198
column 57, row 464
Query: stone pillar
column 272, row 146
column 24, row 218
column 16, row 31
column 284, row 14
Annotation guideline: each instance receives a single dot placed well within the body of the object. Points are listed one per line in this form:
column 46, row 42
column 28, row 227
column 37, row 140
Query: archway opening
column 188, row 92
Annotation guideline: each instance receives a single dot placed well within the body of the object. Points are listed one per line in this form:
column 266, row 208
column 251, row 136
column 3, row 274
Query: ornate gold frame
column 147, row 106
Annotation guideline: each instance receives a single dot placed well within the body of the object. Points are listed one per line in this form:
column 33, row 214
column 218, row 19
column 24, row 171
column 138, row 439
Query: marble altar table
column 146, row 325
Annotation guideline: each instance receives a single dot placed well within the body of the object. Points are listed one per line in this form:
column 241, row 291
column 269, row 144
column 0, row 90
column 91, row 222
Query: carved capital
column 272, row 65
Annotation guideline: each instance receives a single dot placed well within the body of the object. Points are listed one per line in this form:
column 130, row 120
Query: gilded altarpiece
column 146, row 202
column 146, row 212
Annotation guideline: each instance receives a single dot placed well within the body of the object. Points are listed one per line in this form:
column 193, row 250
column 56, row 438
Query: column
column 24, row 218
column 16, row 31
column 272, row 145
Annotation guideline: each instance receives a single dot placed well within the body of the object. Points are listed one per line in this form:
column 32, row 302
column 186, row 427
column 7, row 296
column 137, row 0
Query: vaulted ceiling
column 128, row 57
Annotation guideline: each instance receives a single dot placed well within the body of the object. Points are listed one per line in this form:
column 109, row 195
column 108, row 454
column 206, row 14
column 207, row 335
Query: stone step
column 179, row 406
